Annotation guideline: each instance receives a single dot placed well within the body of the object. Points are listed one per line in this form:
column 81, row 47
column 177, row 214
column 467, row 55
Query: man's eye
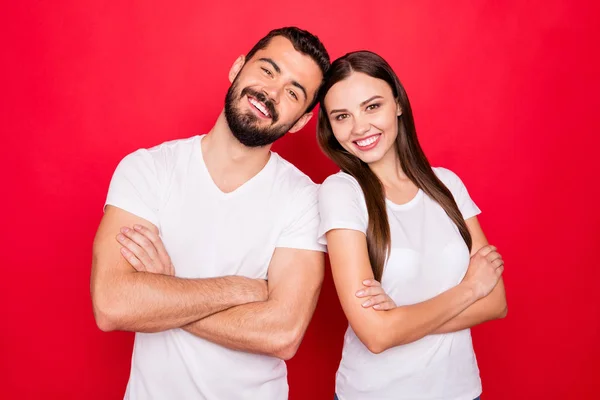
column 266, row 71
column 293, row 94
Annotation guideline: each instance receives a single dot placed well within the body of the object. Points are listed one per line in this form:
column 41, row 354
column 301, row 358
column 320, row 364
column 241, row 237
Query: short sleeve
column 341, row 206
column 467, row 207
column 134, row 186
column 301, row 231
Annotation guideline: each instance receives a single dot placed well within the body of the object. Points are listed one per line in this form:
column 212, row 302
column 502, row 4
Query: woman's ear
column 398, row 109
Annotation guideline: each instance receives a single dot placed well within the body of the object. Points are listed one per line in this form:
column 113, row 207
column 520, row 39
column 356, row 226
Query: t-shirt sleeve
column 466, row 205
column 134, row 186
column 341, row 206
column 301, row 232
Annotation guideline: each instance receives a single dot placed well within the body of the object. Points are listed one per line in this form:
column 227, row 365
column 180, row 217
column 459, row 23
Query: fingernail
column 120, row 237
column 366, row 282
column 137, row 227
column 360, row 292
column 377, row 306
column 124, row 229
column 366, row 303
column 123, row 251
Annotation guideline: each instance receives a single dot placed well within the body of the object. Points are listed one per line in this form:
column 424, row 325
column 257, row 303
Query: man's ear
column 301, row 122
column 236, row 68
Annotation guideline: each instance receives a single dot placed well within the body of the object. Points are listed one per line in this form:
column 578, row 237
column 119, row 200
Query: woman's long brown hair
column 412, row 158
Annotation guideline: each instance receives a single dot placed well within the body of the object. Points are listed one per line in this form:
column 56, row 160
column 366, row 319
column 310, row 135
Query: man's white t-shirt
column 208, row 234
column 428, row 257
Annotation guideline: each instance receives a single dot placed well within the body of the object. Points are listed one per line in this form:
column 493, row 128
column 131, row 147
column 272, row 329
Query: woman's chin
column 369, row 158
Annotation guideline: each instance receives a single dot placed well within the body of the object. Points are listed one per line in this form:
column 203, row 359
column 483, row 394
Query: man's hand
column 145, row 251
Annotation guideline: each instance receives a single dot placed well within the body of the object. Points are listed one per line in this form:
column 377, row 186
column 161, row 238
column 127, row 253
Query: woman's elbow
column 375, row 347
column 376, row 341
column 503, row 312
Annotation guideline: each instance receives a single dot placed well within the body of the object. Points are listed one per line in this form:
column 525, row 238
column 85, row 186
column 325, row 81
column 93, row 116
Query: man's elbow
column 104, row 323
column 288, row 344
column 104, row 320
column 107, row 312
column 286, row 353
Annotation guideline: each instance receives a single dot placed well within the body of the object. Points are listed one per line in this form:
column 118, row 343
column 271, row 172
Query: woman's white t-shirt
column 428, row 256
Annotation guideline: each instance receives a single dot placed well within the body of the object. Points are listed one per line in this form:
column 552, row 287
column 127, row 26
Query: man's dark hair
column 304, row 42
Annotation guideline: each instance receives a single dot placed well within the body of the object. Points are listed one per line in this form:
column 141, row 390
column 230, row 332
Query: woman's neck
column 389, row 169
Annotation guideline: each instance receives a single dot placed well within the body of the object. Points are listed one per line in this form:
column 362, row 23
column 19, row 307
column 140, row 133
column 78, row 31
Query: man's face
column 270, row 93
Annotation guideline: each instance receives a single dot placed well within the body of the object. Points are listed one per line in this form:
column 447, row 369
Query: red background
column 504, row 93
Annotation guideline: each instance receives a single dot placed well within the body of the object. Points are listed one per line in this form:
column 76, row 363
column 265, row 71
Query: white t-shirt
column 428, row 257
column 209, row 233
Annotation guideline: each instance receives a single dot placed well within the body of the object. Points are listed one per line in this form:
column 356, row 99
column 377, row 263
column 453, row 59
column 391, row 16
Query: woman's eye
column 373, row 106
column 340, row 117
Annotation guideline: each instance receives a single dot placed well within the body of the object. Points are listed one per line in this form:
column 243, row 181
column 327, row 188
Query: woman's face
column 363, row 114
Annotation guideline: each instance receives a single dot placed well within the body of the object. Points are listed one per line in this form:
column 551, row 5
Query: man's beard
column 245, row 125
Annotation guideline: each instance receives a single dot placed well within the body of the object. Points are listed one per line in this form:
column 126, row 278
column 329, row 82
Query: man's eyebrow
column 278, row 70
column 301, row 88
column 270, row 61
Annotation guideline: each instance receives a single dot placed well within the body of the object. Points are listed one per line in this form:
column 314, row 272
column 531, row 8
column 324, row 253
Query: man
column 229, row 213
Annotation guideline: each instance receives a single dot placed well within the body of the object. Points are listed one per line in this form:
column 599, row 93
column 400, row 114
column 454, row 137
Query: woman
column 389, row 217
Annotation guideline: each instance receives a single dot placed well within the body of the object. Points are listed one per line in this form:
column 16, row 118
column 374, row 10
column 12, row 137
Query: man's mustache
column 260, row 96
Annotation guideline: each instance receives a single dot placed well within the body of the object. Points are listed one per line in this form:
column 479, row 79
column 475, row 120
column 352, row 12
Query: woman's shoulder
column 340, row 180
column 342, row 203
column 341, row 186
column 444, row 174
column 448, row 178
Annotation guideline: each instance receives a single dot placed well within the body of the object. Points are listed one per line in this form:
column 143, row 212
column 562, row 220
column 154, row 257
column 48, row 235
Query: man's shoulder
column 290, row 175
column 174, row 148
column 161, row 156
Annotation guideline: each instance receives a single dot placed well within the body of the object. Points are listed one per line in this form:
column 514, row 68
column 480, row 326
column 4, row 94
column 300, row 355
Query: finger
column 388, row 305
column 499, row 271
column 141, row 241
column 132, row 259
column 492, row 256
column 133, row 247
column 156, row 241
column 369, row 291
column 371, row 282
column 498, row 263
column 172, row 270
column 373, row 300
column 485, row 250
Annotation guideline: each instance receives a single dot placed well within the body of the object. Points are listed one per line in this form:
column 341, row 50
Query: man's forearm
column 274, row 327
column 259, row 327
column 146, row 302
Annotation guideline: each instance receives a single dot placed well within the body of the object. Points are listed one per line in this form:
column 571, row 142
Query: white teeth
column 260, row 107
column 366, row 142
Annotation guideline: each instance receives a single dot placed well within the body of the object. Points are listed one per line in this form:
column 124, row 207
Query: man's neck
column 230, row 163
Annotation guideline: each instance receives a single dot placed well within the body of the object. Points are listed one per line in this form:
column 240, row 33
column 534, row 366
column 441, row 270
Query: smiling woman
column 360, row 85
column 399, row 235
